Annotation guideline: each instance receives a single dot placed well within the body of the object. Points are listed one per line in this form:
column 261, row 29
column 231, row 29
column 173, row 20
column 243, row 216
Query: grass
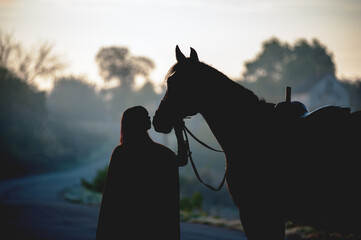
column 82, row 195
column 192, row 213
column 90, row 193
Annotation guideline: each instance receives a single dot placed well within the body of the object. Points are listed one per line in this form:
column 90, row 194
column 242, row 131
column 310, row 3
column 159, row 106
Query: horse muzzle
column 162, row 123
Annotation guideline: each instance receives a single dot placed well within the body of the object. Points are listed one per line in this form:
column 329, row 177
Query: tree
column 77, row 118
column 7, row 48
column 308, row 63
column 269, row 63
column 38, row 62
column 22, row 115
column 280, row 64
column 147, row 97
column 117, row 63
column 74, row 100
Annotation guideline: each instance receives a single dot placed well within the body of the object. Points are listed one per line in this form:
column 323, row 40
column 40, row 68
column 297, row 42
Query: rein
column 200, row 142
column 185, row 130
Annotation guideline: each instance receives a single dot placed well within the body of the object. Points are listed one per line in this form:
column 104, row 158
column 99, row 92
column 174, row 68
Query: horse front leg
column 260, row 211
column 261, row 225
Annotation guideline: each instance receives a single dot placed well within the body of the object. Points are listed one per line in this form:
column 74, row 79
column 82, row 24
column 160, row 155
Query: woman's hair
column 133, row 123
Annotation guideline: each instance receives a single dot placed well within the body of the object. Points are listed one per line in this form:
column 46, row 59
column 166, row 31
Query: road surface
column 31, row 208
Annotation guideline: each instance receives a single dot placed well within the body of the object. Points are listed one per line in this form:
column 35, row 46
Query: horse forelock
column 171, row 71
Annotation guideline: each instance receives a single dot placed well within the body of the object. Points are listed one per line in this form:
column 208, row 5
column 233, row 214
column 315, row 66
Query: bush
column 97, row 184
column 185, row 204
column 195, row 202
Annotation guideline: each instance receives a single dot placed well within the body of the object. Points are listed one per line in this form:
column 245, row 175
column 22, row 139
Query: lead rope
column 199, row 141
column 185, row 130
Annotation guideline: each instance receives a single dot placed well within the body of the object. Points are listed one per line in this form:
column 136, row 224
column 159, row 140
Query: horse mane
column 210, row 73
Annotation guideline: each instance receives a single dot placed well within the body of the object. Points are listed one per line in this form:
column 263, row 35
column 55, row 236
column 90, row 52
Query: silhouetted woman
column 141, row 193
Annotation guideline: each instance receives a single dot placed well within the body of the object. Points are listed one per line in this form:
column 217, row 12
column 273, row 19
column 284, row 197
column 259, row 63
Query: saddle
column 295, row 110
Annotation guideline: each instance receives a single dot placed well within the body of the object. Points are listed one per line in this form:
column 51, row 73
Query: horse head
column 180, row 99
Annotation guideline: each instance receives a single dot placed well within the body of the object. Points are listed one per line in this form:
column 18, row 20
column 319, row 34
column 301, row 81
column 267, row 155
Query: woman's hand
column 178, row 127
column 182, row 145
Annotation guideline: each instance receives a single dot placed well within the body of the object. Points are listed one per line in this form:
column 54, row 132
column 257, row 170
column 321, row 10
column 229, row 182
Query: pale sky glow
column 225, row 33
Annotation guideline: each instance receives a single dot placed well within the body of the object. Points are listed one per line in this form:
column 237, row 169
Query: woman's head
column 135, row 123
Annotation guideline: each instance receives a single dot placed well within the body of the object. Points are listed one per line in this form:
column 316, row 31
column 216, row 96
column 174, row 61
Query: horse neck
column 230, row 110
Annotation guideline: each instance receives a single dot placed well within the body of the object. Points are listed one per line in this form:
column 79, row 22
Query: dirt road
column 31, row 208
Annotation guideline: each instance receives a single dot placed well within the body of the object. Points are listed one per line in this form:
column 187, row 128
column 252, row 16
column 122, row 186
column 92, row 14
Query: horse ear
column 194, row 55
column 179, row 55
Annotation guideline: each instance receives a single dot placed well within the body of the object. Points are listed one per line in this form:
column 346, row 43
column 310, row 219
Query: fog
column 61, row 129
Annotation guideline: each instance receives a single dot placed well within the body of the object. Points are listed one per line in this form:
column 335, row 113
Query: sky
column 225, row 33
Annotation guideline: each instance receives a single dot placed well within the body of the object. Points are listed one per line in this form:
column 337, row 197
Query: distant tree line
column 118, row 64
column 46, row 131
column 300, row 65
column 37, row 62
column 33, row 137
column 27, row 142
column 50, row 131
column 22, row 114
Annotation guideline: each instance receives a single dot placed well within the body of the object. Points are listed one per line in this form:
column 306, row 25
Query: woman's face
column 145, row 119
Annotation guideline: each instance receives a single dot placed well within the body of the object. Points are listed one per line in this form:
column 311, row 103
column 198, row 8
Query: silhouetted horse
column 283, row 163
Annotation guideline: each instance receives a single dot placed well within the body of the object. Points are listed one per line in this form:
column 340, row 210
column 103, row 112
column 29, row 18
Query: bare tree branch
column 7, row 48
column 38, row 62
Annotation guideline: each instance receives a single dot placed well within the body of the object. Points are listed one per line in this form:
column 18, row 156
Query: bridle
column 185, row 130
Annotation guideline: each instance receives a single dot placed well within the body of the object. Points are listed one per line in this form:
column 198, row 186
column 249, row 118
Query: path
column 31, row 208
